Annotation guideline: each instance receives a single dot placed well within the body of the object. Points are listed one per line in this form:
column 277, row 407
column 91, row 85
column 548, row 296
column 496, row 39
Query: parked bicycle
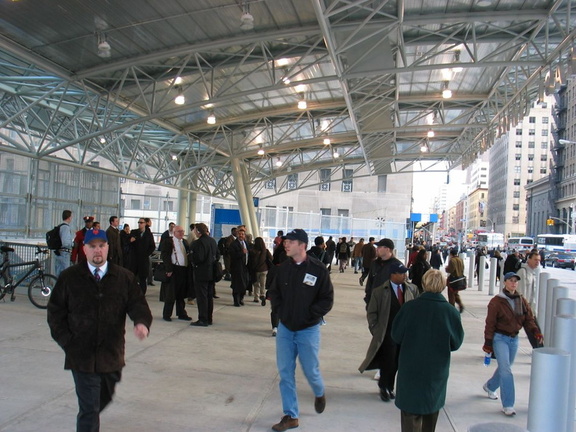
column 40, row 286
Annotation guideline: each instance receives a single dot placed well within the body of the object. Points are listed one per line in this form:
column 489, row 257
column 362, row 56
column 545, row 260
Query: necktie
column 400, row 295
column 97, row 275
column 183, row 250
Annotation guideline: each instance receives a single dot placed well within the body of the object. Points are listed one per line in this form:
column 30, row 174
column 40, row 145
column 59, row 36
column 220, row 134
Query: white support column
column 192, row 205
column 241, row 194
column 471, row 271
column 548, row 400
column 541, row 308
column 182, row 209
column 250, row 202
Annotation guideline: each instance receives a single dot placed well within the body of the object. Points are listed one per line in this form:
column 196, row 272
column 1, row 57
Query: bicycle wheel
column 40, row 289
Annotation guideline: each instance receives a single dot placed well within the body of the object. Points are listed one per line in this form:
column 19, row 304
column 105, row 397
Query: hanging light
column 424, row 148
column 286, row 79
column 246, row 20
column 446, row 92
column 211, row 119
column 102, row 140
column 457, row 69
column 302, row 104
column 179, row 99
column 327, row 141
column 278, row 162
column 261, row 151
column 336, row 154
column 430, row 133
column 104, row 48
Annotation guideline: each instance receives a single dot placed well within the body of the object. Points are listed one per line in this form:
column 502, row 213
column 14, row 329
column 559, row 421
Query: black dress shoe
column 384, row 395
column 263, row 301
column 167, row 318
column 185, row 318
column 199, row 324
column 391, row 394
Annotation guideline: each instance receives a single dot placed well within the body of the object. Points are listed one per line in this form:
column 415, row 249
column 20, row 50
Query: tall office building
column 518, row 158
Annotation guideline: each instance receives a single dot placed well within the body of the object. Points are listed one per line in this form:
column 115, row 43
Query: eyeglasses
column 141, row 222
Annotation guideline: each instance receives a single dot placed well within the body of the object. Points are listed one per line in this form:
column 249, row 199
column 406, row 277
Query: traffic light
column 550, row 222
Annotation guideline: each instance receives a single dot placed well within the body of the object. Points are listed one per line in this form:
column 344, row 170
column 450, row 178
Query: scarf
column 516, row 302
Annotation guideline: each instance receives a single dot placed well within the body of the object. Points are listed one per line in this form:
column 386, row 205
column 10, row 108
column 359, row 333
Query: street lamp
column 563, row 221
column 565, row 142
column 491, row 223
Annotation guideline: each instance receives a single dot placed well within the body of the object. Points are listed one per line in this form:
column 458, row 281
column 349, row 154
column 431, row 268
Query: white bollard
column 470, row 270
column 551, row 283
column 492, row 283
column 548, row 400
column 495, row 427
column 558, row 293
column 481, row 264
column 565, row 339
column 541, row 309
column 566, row 306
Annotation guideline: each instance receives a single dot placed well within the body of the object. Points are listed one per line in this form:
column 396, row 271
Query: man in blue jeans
column 302, row 293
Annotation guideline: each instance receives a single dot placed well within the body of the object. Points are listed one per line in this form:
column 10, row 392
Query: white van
column 521, row 243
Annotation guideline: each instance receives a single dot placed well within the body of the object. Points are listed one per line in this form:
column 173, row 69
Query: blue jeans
column 62, row 262
column 305, row 344
column 358, row 264
column 505, row 349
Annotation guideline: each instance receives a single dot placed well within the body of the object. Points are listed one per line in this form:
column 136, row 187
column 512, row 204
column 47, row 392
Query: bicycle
column 39, row 288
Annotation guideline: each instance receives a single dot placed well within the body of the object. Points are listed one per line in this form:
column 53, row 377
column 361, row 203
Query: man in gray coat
column 385, row 302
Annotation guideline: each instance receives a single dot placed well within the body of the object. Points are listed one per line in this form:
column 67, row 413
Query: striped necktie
column 97, row 274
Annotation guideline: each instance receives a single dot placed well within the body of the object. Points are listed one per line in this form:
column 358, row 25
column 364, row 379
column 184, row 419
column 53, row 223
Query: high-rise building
column 518, row 158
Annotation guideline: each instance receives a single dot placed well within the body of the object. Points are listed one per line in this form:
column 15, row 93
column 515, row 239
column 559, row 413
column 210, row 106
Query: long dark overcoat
column 427, row 329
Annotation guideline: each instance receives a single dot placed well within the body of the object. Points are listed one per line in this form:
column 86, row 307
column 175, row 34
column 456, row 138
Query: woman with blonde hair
column 427, row 326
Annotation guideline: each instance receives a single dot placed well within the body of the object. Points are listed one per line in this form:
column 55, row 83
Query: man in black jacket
column 380, row 268
column 87, row 317
column 302, row 293
column 142, row 245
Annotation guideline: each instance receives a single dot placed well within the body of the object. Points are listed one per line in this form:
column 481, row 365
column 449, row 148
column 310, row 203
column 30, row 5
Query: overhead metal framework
column 89, row 80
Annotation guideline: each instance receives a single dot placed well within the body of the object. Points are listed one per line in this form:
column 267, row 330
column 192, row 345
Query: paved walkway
column 224, row 378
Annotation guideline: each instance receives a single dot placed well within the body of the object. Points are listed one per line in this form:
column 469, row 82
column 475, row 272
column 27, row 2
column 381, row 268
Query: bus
column 491, row 240
column 557, row 242
column 520, row 243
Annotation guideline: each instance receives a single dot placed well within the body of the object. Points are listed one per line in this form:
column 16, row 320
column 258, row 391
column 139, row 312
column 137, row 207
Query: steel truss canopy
column 85, row 81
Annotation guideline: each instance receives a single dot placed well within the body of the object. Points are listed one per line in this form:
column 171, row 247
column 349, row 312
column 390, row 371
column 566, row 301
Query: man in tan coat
column 385, row 302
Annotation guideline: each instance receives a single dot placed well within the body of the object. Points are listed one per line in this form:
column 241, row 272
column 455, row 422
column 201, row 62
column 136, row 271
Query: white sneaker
column 274, row 331
column 491, row 394
column 509, row 411
column 377, row 376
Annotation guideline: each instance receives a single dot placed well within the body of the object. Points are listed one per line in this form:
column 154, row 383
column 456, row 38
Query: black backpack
column 343, row 248
column 53, row 239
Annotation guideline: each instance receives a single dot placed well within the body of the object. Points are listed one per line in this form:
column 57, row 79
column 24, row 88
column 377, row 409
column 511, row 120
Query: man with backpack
column 63, row 244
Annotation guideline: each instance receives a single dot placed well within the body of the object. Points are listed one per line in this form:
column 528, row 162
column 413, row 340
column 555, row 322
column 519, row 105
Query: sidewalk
column 224, row 378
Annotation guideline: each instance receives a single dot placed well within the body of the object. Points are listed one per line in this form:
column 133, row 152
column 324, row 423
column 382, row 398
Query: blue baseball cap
column 95, row 234
column 511, row 275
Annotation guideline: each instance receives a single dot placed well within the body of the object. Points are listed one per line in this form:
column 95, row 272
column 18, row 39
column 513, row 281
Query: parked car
column 561, row 260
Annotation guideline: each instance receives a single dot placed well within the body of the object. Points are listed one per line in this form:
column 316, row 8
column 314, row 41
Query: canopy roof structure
column 81, row 81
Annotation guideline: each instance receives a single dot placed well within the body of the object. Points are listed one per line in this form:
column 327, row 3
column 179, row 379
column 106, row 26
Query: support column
column 192, row 204
column 182, row 207
column 250, row 202
column 241, row 194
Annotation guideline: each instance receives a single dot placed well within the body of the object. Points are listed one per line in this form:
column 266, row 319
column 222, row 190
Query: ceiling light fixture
column 261, row 151
column 327, row 141
column 179, row 99
column 446, row 92
column 278, row 162
column 174, row 157
column 430, row 133
column 336, row 154
column 457, row 69
column 211, row 119
column 424, row 148
column 246, row 20
column 104, row 48
column 102, row 140
column 286, row 79
column 302, row 104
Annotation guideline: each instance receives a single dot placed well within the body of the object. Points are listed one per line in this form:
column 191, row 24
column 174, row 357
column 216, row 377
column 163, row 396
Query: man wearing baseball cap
column 87, row 317
column 385, row 302
column 301, row 293
column 380, row 268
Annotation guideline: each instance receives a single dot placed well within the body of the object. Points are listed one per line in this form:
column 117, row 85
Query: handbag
column 457, row 283
column 217, row 271
column 160, row 273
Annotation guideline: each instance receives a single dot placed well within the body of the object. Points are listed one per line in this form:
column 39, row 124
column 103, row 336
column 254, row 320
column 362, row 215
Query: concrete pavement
column 224, row 378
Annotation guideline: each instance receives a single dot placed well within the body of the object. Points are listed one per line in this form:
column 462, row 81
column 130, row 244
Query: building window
column 531, row 157
column 270, row 184
column 531, row 131
column 543, row 158
column 544, row 120
column 325, row 175
column 122, row 179
column 531, row 144
column 531, row 119
column 516, row 182
column 544, row 144
column 515, row 219
column 135, row 204
column 529, row 181
column 517, row 169
column 544, row 132
column 169, row 206
column 516, row 194
column 292, row 181
column 343, row 212
column 347, row 180
column 516, row 207
column 518, row 144
column 382, row 183
column 518, row 131
column 530, row 170
column 518, row 156
column 542, row 170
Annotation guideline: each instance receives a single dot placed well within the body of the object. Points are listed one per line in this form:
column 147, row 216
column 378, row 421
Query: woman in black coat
column 419, row 267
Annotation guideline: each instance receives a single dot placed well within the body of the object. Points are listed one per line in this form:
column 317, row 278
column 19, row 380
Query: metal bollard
column 492, row 283
column 495, row 427
column 558, row 293
column 481, row 264
column 551, row 283
column 541, row 308
column 548, row 400
column 565, row 339
column 470, row 270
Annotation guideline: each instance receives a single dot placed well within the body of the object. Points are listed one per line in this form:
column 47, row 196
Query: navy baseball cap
column 398, row 268
column 511, row 275
column 94, row 235
column 386, row 242
column 297, row 234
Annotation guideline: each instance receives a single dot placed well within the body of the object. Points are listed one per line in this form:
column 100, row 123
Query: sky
column 427, row 187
